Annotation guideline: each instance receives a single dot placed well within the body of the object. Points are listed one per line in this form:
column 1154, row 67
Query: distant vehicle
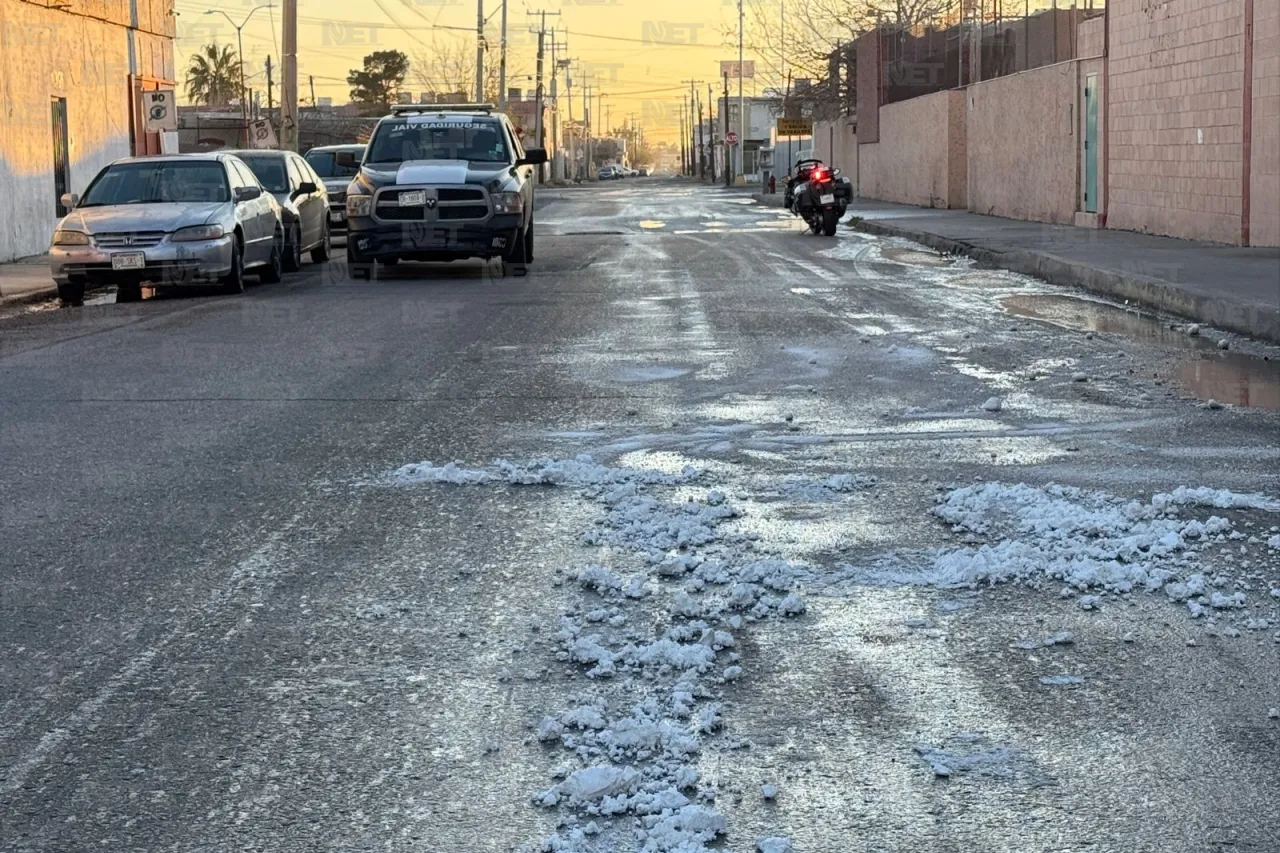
column 645, row 171
column 170, row 220
column 441, row 183
column 303, row 200
column 610, row 173
column 323, row 159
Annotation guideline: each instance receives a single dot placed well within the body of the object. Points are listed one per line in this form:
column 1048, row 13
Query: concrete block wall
column 921, row 158
column 1023, row 145
column 1176, row 72
column 1264, row 183
column 836, row 144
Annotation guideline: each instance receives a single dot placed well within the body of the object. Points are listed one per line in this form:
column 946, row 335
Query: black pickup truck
column 441, row 183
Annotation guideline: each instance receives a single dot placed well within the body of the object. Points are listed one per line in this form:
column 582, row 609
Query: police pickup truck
column 441, row 183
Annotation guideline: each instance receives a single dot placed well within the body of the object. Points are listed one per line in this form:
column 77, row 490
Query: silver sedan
column 167, row 221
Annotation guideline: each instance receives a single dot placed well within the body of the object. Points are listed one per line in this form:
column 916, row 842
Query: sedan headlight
column 198, row 232
column 359, row 205
column 70, row 238
column 507, row 203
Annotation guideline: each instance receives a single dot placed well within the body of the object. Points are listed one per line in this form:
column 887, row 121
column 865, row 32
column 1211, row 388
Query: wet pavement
column 224, row 624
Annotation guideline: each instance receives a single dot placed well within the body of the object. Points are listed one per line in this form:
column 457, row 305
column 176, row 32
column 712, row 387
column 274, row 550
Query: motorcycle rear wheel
column 830, row 218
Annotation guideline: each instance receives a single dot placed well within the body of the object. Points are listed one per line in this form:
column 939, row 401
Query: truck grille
column 133, row 240
column 455, row 204
column 468, row 211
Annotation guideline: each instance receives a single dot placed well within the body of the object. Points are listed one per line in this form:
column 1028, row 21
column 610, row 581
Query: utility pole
column 588, row 164
column 479, row 51
column 502, row 61
column 702, row 145
column 684, row 160
column 742, row 110
column 289, row 85
column 311, row 80
column 270, row 86
column 711, row 132
column 724, row 117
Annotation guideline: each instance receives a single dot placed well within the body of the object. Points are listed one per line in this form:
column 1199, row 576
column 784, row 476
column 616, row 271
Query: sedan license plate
column 827, row 199
column 336, row 216
column 129, row 261
column 415, row 198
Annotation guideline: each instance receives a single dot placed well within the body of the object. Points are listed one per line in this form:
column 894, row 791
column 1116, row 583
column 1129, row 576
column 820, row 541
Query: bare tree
column 450, row 66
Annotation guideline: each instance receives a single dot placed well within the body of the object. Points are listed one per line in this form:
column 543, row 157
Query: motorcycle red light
column 819, row 175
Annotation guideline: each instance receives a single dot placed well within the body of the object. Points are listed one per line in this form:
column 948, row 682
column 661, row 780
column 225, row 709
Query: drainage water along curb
column 1258, row 321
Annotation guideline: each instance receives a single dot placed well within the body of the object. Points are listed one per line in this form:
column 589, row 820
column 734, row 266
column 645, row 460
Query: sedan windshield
column 449, row 139
column 158, row 182
column 269, row 170
column 326, row 167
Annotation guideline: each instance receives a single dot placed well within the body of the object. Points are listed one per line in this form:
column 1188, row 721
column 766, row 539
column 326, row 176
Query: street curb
column 32, row 296
column 774, row 200
column 1257, row 321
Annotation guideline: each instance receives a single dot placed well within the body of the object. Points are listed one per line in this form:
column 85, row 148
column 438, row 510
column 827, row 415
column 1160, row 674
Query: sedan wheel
column 71, row 293
column 233, row 281
column 293, row 250
column 320, row 254
column 273, row 271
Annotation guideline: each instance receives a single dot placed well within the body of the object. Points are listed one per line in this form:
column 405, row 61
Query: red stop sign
column 731, row 138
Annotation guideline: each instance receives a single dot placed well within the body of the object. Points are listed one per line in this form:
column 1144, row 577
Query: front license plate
column 129, row 261
column 828, row 199
column 336, row 216
column 416, row 198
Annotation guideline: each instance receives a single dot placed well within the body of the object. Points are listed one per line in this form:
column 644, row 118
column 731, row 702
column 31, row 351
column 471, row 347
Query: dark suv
column 441, row 183
column 336, row 178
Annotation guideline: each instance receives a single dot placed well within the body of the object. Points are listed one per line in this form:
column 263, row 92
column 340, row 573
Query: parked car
column 304, row 203
column 442, row 183
column 609, row 173
column 645, row 171
column 170, row 220
column 337, row 177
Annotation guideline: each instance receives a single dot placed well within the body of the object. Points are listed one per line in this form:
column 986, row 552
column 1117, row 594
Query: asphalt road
column 223, row 628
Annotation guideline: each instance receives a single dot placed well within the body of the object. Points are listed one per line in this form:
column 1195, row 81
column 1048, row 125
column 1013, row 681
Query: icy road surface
column 708, row 535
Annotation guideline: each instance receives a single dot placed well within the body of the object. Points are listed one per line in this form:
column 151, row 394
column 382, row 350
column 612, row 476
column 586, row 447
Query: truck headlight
column 198, row 232
column 70, row 238
column 507, row 203
column 359, row 205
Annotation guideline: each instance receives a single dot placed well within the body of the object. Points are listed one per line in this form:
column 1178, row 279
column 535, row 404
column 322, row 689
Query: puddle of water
column 1230, row 378
column 1236, row 380
column 652, row 223
column 1087, row 316
column 915, row 257
column 649, row 374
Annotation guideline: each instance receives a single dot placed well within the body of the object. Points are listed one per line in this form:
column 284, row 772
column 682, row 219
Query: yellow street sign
column 795, row 127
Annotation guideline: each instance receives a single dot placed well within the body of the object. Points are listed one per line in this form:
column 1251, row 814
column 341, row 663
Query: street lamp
column 244, row 115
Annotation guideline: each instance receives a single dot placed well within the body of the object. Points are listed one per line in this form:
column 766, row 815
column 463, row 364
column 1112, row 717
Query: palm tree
column 213, row 77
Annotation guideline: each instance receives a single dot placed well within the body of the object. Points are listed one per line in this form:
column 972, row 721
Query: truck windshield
column 445, row 139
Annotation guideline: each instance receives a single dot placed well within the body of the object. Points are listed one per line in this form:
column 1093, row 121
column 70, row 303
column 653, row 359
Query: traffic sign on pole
column 731, row 138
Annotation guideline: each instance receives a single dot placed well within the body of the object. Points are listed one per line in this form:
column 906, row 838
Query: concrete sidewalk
column 26, row 280
column 1229, row 287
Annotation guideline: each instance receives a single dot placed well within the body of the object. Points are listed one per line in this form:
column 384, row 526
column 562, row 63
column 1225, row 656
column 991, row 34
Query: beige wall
column 47, row 53
column 921, row 157
column 1176, row 83
column 1091, row 37
column 836, row 144
column 1024, row 145
column 1264, row 195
